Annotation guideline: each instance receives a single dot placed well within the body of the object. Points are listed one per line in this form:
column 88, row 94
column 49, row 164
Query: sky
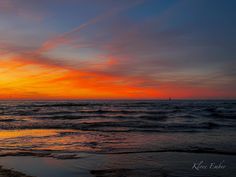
column 126, row 49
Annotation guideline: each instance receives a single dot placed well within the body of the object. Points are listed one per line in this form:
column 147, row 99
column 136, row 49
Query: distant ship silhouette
column 170, row 98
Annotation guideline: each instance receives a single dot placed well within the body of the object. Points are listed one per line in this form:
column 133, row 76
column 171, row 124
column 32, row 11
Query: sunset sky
column 123, row 49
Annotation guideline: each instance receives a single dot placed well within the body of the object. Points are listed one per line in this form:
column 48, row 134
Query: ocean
column 70, row 130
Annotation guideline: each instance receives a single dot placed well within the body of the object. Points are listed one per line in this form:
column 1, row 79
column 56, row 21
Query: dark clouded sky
column 117, row 49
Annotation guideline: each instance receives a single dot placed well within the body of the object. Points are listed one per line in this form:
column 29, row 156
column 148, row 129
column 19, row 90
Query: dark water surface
column 66, row 129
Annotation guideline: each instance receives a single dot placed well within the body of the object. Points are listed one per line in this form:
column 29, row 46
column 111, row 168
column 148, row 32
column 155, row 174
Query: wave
column 156, row 116
column 8, row 120
column 109, row 126
column 200, row 150
column 65, row 154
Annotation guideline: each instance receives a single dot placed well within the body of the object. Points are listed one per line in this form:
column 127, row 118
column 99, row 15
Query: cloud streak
column 128, row 51
column 68, row 37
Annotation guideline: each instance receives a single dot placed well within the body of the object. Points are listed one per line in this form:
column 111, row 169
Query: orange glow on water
column 21, row 133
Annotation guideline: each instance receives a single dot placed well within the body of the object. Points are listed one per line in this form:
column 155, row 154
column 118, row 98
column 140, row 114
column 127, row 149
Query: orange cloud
column 23, row 78
column 31, row 76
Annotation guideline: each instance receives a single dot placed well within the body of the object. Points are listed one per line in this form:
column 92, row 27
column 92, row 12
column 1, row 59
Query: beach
column 118, row 138
column 117, row 88
column 165, row 164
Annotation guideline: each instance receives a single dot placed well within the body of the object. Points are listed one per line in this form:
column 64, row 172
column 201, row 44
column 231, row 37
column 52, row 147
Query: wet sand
column 11, row 173
column 164, row 164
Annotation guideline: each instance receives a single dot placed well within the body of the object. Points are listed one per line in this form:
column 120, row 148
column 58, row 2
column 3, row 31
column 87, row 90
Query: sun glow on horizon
column 28, row 80
column 116, row 50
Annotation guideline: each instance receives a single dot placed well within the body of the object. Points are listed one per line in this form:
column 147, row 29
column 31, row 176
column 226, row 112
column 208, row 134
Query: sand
column 11, row 173
column 161, row 164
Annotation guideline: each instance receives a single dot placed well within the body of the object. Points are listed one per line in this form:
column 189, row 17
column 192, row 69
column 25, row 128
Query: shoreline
column 110, row 165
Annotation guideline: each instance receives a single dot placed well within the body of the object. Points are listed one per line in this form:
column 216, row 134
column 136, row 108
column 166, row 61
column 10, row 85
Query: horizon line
column 128, row 99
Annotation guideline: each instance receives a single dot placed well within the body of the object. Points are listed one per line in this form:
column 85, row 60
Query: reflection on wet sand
column 164, row 164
